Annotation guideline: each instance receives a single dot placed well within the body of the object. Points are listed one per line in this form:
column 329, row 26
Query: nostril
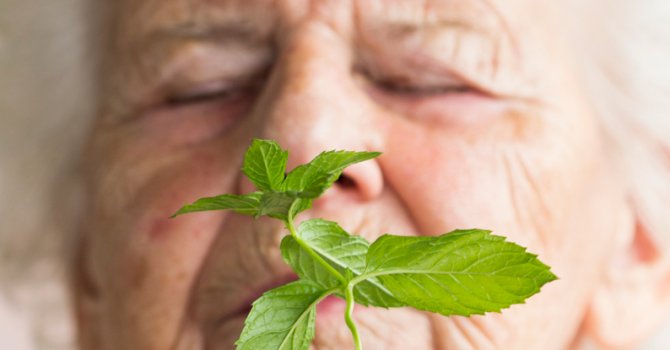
column 345, row 182
column 362, row 180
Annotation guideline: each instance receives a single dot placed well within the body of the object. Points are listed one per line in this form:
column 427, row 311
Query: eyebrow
column 491, row 24
column 444, row 19
column 233, row 32
column 231, row 36
column 406, row 27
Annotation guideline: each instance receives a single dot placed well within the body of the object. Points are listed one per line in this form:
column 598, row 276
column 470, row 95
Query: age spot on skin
column 159, row 228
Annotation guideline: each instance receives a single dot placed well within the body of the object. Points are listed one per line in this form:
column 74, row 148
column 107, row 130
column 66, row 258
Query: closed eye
column 206, row 93
column 200, row 112
column 414, row 86
column 417, row 90
column 180, row 100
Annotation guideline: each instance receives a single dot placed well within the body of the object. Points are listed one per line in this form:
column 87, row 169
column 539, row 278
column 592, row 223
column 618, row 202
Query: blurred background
column 45, row 110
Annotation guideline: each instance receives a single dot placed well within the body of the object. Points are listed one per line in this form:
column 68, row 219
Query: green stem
column 349, row 294
column 312, row 253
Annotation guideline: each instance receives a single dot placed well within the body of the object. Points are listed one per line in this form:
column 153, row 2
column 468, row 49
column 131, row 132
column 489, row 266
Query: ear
column 634, row 296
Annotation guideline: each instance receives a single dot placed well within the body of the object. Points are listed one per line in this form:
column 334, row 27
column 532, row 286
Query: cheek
column 545, row 190
column 450, row 179
column 150, row 186
column 514, row 174
column 139, row 174
column 141, row 259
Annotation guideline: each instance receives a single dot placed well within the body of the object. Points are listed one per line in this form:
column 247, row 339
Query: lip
column 331, row 305
column 329, row 311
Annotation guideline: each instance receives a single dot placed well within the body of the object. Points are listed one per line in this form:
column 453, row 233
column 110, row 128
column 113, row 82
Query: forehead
column 145, row 20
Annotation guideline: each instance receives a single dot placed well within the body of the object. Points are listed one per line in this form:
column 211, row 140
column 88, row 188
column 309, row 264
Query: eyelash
column 204, row 95
column 403, row 86
column 416, row 90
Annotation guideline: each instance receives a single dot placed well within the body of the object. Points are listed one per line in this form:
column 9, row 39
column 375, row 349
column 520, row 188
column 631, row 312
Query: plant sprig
column 463, row 272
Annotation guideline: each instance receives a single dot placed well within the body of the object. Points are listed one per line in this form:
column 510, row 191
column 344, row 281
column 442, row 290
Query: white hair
column 49, row 92
column 623, row 57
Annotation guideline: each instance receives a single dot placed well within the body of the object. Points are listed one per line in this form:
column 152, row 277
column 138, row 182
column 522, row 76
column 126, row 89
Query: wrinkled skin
column 474, row 104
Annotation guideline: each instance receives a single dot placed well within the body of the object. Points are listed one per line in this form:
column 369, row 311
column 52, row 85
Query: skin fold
column 475, row 105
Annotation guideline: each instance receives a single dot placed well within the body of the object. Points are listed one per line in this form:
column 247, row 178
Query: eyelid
column 400, row 84
column 190, row 68
column 214, row 90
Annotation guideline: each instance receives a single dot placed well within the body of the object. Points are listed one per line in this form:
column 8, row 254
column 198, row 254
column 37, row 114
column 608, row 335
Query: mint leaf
column 248, row 204
column 265, row 164
column 313, row 178
column 276, row 204
column 281, row 205
column 464, row 272
column 346, row 253
column 283, row 318
column 305, row 266
column 461, row 273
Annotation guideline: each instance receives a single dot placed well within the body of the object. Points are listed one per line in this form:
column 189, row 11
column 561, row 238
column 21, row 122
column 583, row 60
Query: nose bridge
column 309, row 103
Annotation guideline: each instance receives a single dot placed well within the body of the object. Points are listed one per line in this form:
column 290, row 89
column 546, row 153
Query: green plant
column 463, row 272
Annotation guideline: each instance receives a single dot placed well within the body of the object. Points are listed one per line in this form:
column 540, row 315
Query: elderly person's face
column 475, row 105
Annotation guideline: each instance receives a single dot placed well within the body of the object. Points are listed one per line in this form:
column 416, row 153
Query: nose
column 311, row 104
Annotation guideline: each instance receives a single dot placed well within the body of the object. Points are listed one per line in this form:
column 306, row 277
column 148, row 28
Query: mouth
column 330, row 305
